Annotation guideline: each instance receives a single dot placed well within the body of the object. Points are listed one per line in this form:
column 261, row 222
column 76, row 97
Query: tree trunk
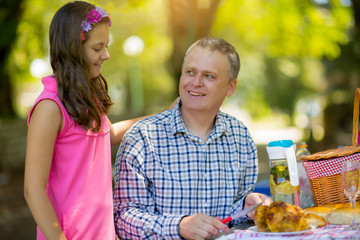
column 11, row 12
column 189, row 21
column 356, row 9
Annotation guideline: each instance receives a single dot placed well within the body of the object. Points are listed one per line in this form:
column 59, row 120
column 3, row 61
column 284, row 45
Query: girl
column 68, row 180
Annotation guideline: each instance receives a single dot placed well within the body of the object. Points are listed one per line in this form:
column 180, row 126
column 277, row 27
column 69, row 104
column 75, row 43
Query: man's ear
column 231, row 87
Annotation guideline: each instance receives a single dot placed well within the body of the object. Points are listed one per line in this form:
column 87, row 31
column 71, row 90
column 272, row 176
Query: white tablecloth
column 328, row 232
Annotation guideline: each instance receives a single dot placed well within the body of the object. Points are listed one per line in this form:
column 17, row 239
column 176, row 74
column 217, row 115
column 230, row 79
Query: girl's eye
column 96, row 49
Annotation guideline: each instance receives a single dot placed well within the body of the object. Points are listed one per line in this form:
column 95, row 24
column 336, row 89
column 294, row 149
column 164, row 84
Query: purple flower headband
column 94, row 16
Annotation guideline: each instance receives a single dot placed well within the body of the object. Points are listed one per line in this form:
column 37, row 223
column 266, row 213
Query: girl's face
column 95, row 48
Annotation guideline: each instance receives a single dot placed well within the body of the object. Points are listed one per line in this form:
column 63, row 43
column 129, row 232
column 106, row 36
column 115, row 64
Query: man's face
column 204, row 81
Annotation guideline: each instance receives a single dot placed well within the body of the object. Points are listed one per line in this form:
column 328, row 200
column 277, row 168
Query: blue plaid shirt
column 164, row 173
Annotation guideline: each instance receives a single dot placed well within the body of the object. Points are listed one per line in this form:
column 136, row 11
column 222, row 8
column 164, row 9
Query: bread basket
column 324, row 168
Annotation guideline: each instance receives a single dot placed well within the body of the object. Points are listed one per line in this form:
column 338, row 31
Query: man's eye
column 209, row 76
column 190, row 72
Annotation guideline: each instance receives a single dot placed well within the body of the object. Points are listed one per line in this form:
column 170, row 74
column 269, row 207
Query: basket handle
column 356, row 118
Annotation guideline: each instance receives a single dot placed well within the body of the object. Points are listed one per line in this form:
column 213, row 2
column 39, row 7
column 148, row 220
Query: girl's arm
column 45, row 123
column 119, row 129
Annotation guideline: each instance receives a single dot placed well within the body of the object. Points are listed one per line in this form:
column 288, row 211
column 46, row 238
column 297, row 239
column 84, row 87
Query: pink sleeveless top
column 80, row 179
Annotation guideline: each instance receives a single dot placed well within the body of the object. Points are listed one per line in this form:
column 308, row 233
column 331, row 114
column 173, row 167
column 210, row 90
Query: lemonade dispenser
column 284, row 179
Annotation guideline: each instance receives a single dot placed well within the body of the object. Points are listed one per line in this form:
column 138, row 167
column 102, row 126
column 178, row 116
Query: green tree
column 287, row 34
column 189, row 21
column 284, row 46
column 10, row 15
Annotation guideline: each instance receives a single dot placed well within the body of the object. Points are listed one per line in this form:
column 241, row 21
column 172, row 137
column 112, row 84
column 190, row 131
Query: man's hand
column 201, row 226
column 255, row 198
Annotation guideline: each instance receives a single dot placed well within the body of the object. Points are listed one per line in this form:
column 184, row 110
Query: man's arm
column 247, row 198
column 135, row 212
column 247, row 183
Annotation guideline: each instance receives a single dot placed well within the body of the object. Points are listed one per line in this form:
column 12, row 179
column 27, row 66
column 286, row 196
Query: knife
column 240, row 213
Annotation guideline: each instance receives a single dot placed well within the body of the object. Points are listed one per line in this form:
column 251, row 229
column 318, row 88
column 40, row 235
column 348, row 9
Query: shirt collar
column 178, row 126
column 177, row 122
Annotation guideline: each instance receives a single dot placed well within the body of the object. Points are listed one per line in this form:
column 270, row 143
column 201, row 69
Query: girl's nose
column 105, row 55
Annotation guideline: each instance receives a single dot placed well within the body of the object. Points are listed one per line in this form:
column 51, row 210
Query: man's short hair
column 219, row 44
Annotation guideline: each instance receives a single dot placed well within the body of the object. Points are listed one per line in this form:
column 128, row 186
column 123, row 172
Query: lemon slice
column 279, row 187
column 285, row 188
column 272, row 184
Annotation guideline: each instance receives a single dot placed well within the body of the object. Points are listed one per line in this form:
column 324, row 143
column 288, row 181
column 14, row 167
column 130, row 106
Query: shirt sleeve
column 247, row 183
column 135, row 213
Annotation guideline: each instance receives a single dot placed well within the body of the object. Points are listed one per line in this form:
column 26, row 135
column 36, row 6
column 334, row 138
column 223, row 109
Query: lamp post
column 133, row 46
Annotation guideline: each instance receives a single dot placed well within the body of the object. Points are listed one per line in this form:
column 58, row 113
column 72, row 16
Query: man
column 179, row 172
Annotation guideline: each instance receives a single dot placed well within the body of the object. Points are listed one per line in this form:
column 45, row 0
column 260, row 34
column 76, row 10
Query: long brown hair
column 85, row 99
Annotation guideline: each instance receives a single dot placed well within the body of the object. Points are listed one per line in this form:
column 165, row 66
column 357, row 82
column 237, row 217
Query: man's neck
column 198, row 123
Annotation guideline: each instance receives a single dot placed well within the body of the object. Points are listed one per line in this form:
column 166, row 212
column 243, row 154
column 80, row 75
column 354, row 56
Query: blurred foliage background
column 300, row 58
column 300, row 66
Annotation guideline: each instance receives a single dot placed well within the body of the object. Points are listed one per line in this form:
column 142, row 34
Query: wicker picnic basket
column 324, row 168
